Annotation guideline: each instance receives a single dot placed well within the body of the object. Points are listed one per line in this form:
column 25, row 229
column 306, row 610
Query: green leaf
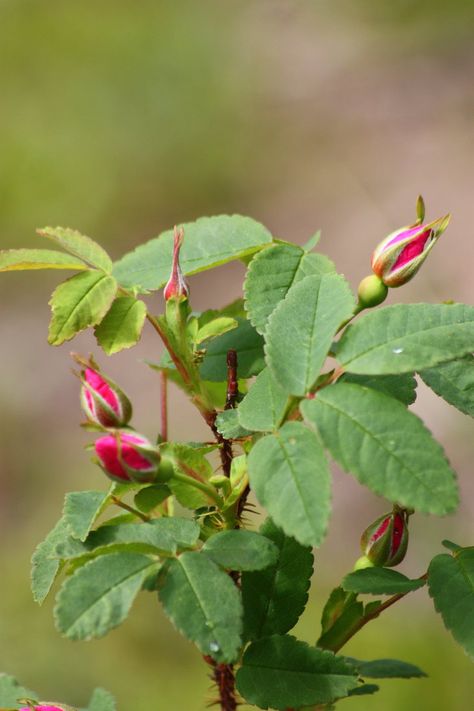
column 300, row 331
column 290, row 477
column 451, row 585
column 44, row 569
column 263, row 407
column 122, row 326
column 11, row 691
column 341, row 616
column 98, row 597
column 83, row 247
column 402, row 387
column 407, row 337
column 364, row 689
column 81, row 509
column 18, row 259
column 386, row 446
column 312, row 242
column 454, row 382
column 249, row 346
column 101, row 700
column 281, row 671
column 274, row 598
column 386, row 669
column 228, row 425
column 208, row 242
column 271, row 275
column 151, row 496
column 190, row 461
column 241, row 550
column 380, row 581
column 215, row 328
column 204, row 605
column 81, row 301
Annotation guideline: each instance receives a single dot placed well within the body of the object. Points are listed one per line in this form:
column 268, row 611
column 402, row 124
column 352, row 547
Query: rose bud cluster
column 384, row 543
column 128, row 457
column 399, row 256
column 102, row 400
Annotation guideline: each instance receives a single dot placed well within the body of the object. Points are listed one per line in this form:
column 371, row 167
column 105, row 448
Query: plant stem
column 373, row 615
column 130, row 509
column 164, row 405
column 205, row 488
column 223, row 676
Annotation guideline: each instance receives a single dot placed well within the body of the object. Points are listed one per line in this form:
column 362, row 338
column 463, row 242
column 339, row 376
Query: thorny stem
column 223, row 676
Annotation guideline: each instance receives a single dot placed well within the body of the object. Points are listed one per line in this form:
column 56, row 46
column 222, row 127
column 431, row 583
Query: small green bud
column 372, row 291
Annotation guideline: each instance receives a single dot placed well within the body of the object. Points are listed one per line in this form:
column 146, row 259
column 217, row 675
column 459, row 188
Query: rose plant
column 284, row 379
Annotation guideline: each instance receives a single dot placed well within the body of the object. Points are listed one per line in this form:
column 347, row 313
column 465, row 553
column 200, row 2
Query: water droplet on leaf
column 397, row 350
column 213, row 647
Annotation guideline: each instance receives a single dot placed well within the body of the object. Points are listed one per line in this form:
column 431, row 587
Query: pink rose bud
column 397, row 259
column 385, row 541
column 42, row 707
column 176, row 286
column 103, row 401
column 128, row 457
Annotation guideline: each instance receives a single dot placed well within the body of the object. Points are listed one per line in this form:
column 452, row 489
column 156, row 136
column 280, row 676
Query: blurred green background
column 121, row 118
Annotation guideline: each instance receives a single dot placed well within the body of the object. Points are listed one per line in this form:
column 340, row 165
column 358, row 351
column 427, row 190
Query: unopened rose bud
column 128, row 457
column 176, row 286
column 103, row 401
column 397, row 259
column 385, row 541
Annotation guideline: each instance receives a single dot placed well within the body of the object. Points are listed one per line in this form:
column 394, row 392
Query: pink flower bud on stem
column 128, row 457
column 397, row 258
column 176, row 286
column 384, row 543
column 102, row 400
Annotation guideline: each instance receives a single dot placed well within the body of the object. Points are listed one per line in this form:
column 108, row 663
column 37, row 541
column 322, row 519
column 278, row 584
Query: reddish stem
column 223, row 676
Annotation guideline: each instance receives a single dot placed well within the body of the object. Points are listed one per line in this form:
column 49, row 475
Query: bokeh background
column 120, row 119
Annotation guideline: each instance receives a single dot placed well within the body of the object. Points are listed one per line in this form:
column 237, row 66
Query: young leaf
column 151, row 496
column 386, row 669
column 98, row 597
column 407, row 337
column 454, row 382
column 275, row 597
column 387, row 447
column 216, row 327
column 44, row 568
column 18, row 259
column 241, row 550
column 101, row 700
column 290, row 477
column 312, row 242
column 81, row 301
column 11, row 691
column 281, row 671
column 249, row 346
column 204, row 604
column 380, row 581
column 228, row 425
column 342, row 614
column 263, row 407
column 208, row 242
column 81, row 246
column 271, row 275
column 301, row 329
column 451, row 585
column 122, row 326
column 402, row 387
column 81, row 509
